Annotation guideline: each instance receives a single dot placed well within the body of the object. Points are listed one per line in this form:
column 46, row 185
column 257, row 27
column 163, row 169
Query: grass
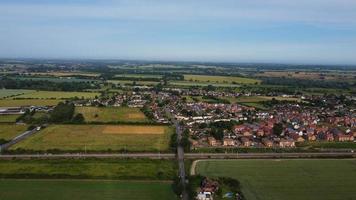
column 114, row 169
column 99, row 138
column 127, row 82
column 8, row 118
column 220, row 79
column 288, row 179
column 111, row 114
column 9, row 131
column 28, row 102
column 84, row 190
column 201, row 84
column 139, row 76
column 328, row 145
column 4, row 93
column 57, row 95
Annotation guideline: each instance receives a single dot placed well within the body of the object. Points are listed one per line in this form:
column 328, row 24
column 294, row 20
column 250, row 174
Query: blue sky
column 282, row 31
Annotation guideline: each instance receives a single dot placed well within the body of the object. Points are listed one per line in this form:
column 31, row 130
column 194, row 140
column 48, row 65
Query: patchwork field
column 9, row 131
column 326, row 179
column 220, row 79
column 4, row 93
column 111, row 114
column 28, row 102
column 330, row 75
column 57, row 95
column 127, row 82
column 89, row 168
column 99, row 138
column 139, row 75
column 84, row 190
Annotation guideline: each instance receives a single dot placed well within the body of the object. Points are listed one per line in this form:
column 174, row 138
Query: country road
column 17, row 139
column 187, row 155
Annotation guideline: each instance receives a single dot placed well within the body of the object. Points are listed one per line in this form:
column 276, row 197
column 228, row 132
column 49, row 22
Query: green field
column 57, row 95
column 139, row 76
column 127, row 82
column 201, row 84
column 84, row 190
column 111, row 114
column 9, row 131
column 99, row 138
column 220, row 79
column 89, row 168
column 328, row 145
column 8, row 118
column 328, row 179
column 4, row 93
column 28, row 102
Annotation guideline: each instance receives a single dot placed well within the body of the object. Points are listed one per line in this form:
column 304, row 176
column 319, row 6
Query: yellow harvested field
column 127, row 129
column 99, row 138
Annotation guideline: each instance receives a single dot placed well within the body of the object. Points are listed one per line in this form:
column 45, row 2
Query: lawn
column 57, row 95
column 9, row 131
column 89, row 168
column 4, row 93
column 99, row 138
column 28, row 102
column 111, row 114
column 220, row 79
column 8, row 118
column 327, row 179
column 84, row 190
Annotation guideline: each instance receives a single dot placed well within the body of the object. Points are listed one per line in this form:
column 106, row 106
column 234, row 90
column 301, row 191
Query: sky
column 273, row 31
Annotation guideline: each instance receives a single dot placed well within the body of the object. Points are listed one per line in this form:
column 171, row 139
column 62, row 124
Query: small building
column 212, row 141
column 228, row 142
column 283, row 143
column 246, row 141
column 267, row 142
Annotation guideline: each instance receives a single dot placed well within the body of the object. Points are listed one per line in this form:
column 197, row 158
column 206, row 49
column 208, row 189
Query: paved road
column 17, row 139
column 180, row 156
column 187, row 155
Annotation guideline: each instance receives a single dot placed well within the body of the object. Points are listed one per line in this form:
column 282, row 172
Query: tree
column 78, row 118
column 277, row 129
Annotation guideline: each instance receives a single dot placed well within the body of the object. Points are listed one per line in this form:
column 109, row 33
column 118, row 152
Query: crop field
column 327, row 179
column 89, row 168
column 202, row 84
column 28, row 102
column 127, row 82
column 99, row 138
column 8, row 118
column 57, row 95
column 5, row 93
column 139, row 75
column 63, row 74
column 111, row 114
column 220, row 79
column 58, row 79
column 335, row 76
column 84, row 190
column 9, row 131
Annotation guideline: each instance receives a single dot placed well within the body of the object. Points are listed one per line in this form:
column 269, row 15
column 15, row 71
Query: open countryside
column 30, row 189
column 57, row 95
column 327, row 179
column 111, row 114
column 99, row 138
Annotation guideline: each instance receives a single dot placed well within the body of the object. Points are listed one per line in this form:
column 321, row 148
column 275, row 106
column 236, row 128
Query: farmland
column 99, row 138
column 5, row 93
column 115, row 169
column 57, row 95
column 220, row 79
column 287, row 179
column 8, row 118
column 9, row 131
column 27, row 102
column 84, row 190
column 127, row 82
column 111, row 114
column 139, row 76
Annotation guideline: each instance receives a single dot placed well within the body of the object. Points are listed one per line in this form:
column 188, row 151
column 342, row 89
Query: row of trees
column 10, row 83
